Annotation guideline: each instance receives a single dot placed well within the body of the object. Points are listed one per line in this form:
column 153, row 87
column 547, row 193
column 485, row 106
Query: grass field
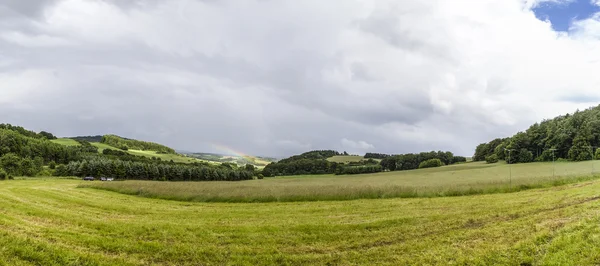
column 454, row 180
column 52, row 222
column 66, row 142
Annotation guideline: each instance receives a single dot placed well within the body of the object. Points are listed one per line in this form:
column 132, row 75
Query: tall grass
column 259, row 191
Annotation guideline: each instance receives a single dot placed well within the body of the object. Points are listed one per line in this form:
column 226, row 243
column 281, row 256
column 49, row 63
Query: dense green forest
column 573, row 137
column 126, row 144
column 26, row 153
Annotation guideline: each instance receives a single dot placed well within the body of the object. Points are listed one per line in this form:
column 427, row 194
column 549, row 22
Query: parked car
column 88, row 178
column 106, row 179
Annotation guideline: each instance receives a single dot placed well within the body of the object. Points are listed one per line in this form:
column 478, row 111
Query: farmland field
column 52, row 222
column 453, row 180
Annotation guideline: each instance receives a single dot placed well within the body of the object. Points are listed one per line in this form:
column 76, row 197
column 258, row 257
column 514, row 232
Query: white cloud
column 281, row 77
column 356, row 146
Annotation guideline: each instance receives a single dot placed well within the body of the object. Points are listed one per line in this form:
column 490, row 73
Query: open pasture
column 454, row 180
column 52, row 222
column 66, row 142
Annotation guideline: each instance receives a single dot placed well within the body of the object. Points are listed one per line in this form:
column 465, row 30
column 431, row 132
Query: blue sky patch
column 562, row 14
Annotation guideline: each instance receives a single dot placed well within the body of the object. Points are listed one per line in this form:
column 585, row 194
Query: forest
column 574, row 137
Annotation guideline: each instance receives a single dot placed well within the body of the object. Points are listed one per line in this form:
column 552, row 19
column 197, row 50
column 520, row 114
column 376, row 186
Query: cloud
column 356, row 146
column 281, row 77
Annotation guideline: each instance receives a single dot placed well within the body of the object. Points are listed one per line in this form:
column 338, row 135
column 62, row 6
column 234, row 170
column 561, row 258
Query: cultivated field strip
column 51, row 222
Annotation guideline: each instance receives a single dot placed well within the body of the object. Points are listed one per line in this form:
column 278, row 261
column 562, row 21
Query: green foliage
column 312, row 155
column 431, row 163
column 61, row 170
column 28, row 147
column 581, row 150
column 361, row 169
column 151, row 171
column 126, row 144
column 412, row 161
column 376, row 155
column 458, row 159
column 250, row 168
column 571, row 136
column 52, row 165
column 3, row 174
column 491, row 158
column 27, row 133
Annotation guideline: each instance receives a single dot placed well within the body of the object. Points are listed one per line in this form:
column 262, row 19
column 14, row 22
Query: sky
column 277, row 78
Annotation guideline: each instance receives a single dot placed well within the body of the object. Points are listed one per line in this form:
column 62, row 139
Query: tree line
column 126, row 144
column 150, row 171
column 574, row 137
column 412, row 161
column 315, row 162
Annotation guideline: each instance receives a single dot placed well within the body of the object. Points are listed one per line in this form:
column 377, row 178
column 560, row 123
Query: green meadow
column 56, row 222
column 66, row 142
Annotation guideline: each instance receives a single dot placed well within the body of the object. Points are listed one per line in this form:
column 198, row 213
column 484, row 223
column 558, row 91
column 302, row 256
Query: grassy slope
column 462, row 179
column 52, row 222
column 66, row 142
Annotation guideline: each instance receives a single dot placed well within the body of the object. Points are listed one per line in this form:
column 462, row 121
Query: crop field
column 53, row 222
column 453, row 180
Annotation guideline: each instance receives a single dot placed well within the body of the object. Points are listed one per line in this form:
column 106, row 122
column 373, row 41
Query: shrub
column 491, row 159
column 52, row 165
column 3, row 174
column 431, row 163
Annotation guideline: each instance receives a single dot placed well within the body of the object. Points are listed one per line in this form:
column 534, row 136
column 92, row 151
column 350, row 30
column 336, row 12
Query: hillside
column 124, row 144
column 26, row 153
column 177, row 158
column 233, row 159
column 574, row 137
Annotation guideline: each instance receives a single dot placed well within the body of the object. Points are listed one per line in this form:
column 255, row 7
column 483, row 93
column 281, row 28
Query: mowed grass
column 52, row 222
column 454, row 180
column 66, row 142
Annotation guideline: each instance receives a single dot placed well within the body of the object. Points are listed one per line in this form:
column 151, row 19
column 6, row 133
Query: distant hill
column 97, row 138
column 234, row 159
